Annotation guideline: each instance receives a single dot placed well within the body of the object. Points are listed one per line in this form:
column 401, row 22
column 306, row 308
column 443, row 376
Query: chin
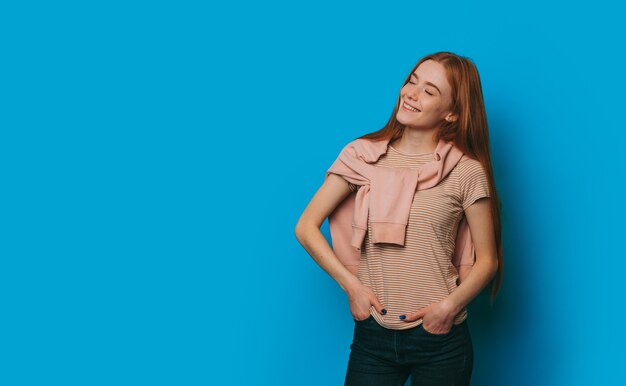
column 402, row 119
column 406, row 122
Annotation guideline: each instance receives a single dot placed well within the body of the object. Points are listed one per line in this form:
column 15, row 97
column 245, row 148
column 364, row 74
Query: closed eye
column 426, row 90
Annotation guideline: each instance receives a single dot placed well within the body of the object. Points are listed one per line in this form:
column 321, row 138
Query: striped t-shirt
column 407, row 278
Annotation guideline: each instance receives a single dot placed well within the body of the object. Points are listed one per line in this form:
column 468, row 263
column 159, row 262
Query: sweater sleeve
column 473, row 181
column 349, row 166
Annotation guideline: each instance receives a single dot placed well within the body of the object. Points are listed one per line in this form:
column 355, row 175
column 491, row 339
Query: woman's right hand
column 361, row 299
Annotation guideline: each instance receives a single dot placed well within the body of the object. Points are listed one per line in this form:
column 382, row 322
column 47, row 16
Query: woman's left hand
column 437, row 317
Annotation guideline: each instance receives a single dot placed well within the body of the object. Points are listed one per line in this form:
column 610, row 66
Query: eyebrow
column 429, row 83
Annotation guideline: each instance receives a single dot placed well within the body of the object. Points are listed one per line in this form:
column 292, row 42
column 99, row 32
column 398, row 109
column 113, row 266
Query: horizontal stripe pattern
column 407, row 278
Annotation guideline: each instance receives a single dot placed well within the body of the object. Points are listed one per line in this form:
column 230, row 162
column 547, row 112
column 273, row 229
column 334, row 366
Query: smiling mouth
column 410, row 108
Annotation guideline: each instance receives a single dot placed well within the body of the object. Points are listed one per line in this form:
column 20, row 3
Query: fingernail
column 384, row 312
column 402, row 317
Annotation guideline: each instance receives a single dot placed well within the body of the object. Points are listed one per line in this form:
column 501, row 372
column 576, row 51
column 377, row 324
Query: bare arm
column 332, row 192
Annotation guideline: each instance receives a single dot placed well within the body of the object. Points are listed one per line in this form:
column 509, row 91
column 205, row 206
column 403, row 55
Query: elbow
column 298, row 231
column 494, row 268
column 306, row 231
column 301, row 230
column 490, row 266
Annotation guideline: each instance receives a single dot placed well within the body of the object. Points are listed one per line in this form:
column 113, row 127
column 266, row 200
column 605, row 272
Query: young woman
column 402, row 203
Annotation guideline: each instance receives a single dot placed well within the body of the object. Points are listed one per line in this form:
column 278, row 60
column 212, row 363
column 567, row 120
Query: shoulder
column 469, row 172
column 469, row 166
column 365, row 149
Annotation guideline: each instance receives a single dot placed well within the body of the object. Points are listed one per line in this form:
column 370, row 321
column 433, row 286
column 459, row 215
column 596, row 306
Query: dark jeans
column 384, row 357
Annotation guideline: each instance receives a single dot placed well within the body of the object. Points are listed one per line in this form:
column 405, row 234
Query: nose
column 412, row 93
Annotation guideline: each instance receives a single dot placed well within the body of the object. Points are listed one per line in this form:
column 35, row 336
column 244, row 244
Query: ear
column 451, row 117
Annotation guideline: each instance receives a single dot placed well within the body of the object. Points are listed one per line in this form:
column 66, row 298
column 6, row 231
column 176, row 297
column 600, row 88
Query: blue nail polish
column 402, row 317
column 384, row 312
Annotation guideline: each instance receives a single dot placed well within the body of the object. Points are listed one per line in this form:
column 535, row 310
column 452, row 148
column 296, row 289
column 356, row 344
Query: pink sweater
column 385, row 195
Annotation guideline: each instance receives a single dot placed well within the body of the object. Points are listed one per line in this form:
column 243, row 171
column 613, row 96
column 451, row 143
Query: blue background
column 155, row 157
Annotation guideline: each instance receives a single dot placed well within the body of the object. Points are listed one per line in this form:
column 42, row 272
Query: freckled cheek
column 428, row 107
column 435, row 107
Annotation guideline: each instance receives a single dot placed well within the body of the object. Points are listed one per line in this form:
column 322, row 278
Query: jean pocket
column 439, row 335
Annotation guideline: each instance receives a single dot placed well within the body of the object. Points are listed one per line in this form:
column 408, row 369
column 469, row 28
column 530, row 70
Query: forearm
column 314, row 242
column 480, row 274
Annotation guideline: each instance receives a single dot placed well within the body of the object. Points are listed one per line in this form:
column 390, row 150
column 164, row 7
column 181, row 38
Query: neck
column 416, row 141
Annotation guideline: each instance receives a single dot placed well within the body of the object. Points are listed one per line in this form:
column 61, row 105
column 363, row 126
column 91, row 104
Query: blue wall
column 156, row 156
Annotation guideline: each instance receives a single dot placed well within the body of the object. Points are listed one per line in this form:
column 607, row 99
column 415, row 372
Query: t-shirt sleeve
column 353, row 187
column 474, row 183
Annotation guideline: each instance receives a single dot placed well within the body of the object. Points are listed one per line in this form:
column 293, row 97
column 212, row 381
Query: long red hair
column 469, row 132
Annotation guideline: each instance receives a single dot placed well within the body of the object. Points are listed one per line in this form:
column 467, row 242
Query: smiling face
column 430, row 95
